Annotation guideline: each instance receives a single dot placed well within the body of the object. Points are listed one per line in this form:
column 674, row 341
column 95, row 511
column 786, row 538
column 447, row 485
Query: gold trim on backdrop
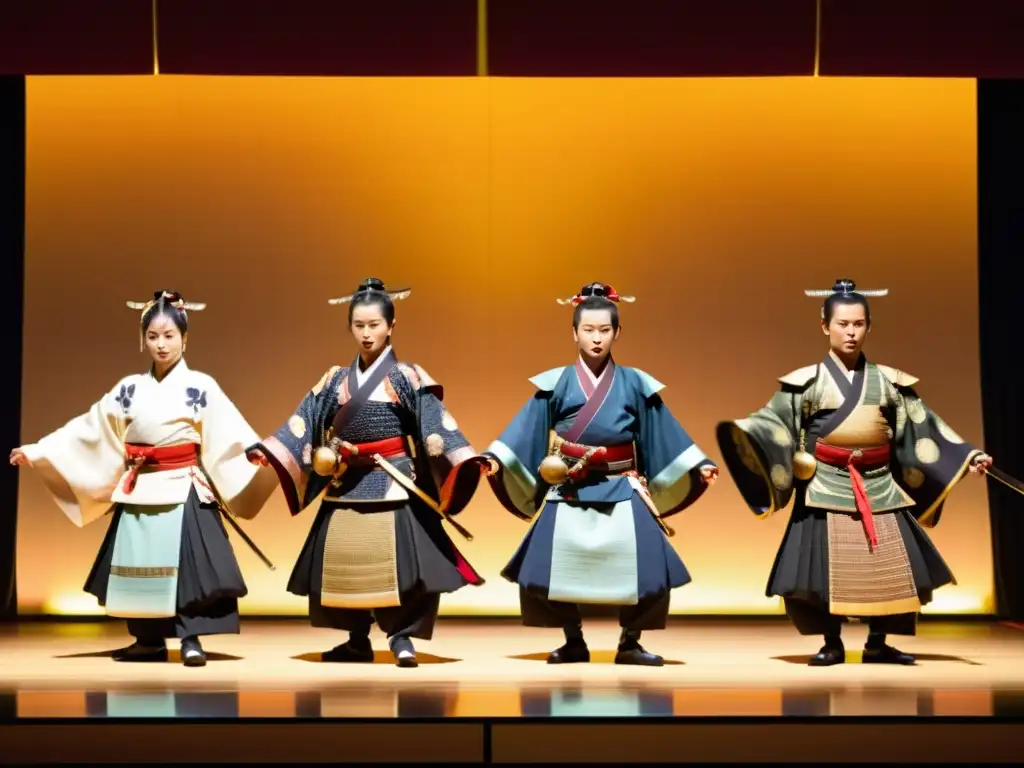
column 817, row 37
column 481, row 38
column 156, row 42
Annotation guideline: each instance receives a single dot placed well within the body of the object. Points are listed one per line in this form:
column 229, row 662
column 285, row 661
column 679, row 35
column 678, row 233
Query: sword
column 245, row 537
column 649, row 502
column 407, row 483
column 1008, row 480
column 223, row 509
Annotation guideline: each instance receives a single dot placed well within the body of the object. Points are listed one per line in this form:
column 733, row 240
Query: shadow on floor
column 596, row 657
column 379, row 657
column 854, row 657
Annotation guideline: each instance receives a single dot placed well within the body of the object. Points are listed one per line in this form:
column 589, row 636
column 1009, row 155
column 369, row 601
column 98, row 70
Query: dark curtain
column 12, row 264
column 1000, row 289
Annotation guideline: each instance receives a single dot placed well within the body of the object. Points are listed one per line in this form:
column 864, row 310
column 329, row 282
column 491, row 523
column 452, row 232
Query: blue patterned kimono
column 374, row 546
column 595, row 540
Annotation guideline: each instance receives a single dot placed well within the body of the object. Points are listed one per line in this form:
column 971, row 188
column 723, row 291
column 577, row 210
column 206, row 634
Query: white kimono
column 83, row 465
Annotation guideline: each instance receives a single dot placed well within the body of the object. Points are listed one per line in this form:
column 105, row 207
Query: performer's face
column 595, row 334
column 370, row 329
column 847, row 329
column 164, row 341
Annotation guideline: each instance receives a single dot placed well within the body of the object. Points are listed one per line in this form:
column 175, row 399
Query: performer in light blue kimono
column 596, row 461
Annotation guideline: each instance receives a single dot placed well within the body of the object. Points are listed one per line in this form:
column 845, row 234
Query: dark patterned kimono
column 855, row 545
column 376, row 550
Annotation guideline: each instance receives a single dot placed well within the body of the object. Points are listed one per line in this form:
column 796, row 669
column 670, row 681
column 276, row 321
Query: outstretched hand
column 19, row 459
column 981, row 463
column 709, row 475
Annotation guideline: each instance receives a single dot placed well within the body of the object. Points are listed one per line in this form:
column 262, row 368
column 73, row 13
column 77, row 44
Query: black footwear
column 573, row 652
column 828, row 656
column 635, row 654
column 192, row 653
column 349, row 653
column 139, row 652
column 887, row 655
column 405, row 653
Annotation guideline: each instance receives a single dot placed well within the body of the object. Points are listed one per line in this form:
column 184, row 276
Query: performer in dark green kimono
column 597, row 461
column 868, row 464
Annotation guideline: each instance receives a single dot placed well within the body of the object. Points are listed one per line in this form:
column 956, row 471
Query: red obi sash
column 389, row 448
column 601, row 458
column 157, row 458
column 851, row 459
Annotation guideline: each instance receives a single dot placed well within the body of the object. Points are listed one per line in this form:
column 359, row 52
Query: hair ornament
column 398, row 295
column 845, row 287
column 171, row 299
column 596, row 290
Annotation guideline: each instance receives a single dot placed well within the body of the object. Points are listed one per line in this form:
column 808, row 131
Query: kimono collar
column 362, row 375
column 608, row 366
column 861, row 362
column 179, row 369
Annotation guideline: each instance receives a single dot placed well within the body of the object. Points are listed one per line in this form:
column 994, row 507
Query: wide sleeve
column 455, row 466
column 81, row 463
column 241, row 487
column 759, row 451
column 290, row 449
column 668, row 457
column 519, row 452
column 929, row 457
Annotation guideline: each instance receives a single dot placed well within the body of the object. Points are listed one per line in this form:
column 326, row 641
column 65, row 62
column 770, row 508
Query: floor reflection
column 534, row 701
column 162, row 704
column 583, row 702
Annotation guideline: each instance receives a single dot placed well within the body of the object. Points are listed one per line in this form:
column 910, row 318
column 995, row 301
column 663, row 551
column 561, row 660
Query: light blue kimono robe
column 596, row 541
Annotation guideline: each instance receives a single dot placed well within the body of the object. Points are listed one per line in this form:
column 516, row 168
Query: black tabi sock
column 573, row 633
column 876, row 641
column 629, row 638
column 833, row 641
column 359, row 639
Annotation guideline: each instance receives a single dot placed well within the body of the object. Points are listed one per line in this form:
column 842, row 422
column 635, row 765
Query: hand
column 255, row 456
column 709, row 475
column 492, row 467
column 19, row 459
column 981, row 463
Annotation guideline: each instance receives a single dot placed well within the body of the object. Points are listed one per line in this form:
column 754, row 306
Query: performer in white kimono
column 163, row 450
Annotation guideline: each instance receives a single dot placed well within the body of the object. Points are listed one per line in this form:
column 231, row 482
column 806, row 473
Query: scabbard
column 245, row 537
column 409, row 484
column 649, row 503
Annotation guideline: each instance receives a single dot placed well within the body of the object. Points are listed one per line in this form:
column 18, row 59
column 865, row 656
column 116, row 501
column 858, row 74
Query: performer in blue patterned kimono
column 868, row 465
column 612, row 463
column 376, row 435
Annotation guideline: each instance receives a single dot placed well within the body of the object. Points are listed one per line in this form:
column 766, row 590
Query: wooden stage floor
column 730, row 690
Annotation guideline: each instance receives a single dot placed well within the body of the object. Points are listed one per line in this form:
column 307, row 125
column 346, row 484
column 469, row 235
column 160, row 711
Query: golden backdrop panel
column 716, row 202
